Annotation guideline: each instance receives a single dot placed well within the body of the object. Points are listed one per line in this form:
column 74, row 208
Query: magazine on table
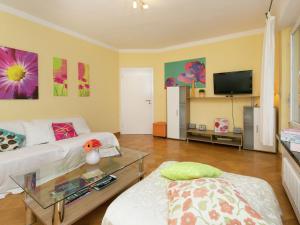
column 109, row 151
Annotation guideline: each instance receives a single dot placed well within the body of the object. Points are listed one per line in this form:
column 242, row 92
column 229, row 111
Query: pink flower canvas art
column 60, row 77
column 83, row 78
column 221, row 125
column 18, row 74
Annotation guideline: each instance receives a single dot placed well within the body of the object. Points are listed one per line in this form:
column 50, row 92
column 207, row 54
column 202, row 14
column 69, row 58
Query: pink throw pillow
column 63, row 131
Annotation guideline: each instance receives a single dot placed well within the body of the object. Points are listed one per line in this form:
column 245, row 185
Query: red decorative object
column 221, row 125
column 91, row 145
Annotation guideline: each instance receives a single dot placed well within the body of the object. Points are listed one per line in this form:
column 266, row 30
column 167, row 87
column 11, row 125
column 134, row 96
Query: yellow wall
column 236, row 54
column 285, row 52
column 100, row 109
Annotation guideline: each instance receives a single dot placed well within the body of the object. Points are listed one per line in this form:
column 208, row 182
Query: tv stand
column 210, row 136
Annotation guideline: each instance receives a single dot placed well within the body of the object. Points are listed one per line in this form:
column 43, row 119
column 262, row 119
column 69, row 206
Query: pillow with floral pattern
column 63, row 131
column 212, row 201
column 10, row 141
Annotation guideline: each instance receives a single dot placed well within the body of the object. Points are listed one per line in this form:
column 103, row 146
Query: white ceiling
column 165, row 23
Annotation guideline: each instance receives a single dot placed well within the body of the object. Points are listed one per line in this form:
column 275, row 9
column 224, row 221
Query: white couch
column 40, row 148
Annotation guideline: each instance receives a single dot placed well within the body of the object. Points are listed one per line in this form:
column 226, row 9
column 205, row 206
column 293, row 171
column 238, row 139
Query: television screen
column 239, row 82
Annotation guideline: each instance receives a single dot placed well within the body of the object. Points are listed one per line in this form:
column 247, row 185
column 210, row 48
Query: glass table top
column 46, row 191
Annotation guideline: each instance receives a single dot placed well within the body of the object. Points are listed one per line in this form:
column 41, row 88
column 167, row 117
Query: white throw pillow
column 14, row 126
column 79, row 124
column 38, row 132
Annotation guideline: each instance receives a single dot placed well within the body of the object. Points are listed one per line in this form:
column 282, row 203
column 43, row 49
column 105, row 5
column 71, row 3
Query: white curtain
column 267, row 84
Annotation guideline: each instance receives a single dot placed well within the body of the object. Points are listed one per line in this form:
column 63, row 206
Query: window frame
column 293, row 122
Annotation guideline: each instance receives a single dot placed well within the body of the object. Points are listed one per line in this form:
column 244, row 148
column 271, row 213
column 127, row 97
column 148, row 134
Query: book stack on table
column 291, row 135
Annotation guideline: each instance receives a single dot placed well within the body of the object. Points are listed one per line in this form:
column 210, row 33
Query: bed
column 147, row 203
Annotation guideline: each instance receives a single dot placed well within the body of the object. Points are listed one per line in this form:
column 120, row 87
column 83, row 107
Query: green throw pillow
column 189, row 170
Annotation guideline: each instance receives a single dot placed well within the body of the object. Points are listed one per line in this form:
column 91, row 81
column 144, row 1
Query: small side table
column 160, row 129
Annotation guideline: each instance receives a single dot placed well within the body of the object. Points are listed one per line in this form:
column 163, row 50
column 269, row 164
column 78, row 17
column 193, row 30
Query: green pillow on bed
column 189, row 170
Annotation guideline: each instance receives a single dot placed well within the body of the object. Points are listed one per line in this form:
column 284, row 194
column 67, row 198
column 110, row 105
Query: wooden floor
column 262, row 165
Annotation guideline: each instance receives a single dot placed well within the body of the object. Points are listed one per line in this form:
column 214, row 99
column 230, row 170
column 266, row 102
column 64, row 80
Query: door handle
column 149, row 101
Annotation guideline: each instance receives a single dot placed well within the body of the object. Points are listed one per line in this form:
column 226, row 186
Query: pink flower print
column 240, row 197
column 234, row 222
column 186, row 194
column 172, row 184
column 81, row 71
column 188, row 218
column 87, row 86
column 226, row 207
column 58, row 80
column 173, row 195
column 200, row 192
column 249, row 221
column 83, row 80
column 172, row 221
column 187, row 204
column 252, row 212
column 64, row 76
column 200, row 180
column 80, row 86
column 214, row 215
column 221, row 191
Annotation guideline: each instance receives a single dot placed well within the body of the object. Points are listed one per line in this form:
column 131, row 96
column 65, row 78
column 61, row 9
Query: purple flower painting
column 186, row 72
column 18, row 74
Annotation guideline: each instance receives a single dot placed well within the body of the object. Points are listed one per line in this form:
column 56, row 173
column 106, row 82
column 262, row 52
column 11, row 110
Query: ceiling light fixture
column 139, row 3
column 134, row 4
column 145, row 6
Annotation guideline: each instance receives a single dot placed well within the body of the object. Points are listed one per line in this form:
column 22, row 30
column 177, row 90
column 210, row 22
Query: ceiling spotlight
column 145, row 6
column 134, row 4
column 139, row 4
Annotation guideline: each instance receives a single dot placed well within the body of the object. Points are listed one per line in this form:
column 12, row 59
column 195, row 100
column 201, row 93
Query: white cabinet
column 173, row 112
column 177, row 112
column 257, row 145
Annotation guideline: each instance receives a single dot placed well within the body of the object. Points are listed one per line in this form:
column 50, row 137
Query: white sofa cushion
column 14, row 126
column 79, row 123
column 38, row 133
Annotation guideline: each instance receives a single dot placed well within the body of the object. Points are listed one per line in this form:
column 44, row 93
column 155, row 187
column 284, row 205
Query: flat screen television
column 232, row 83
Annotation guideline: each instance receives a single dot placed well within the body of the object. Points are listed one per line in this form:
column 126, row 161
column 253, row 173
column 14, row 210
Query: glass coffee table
column 48, row 199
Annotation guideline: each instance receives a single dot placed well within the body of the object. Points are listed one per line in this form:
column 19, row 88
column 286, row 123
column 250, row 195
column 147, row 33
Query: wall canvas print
column 18, row 74
column 60, row 77
column 221, row 125
column 184, row 73
column 83, row 78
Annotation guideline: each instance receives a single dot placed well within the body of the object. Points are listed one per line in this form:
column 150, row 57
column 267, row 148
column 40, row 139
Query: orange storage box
column 160, row 129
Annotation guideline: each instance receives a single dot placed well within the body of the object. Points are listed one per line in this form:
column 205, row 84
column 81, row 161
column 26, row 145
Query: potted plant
column 91, row 148
column 201, row 93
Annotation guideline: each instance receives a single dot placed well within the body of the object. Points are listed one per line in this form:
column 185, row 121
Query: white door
column 173, row 128
column 136, row 100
